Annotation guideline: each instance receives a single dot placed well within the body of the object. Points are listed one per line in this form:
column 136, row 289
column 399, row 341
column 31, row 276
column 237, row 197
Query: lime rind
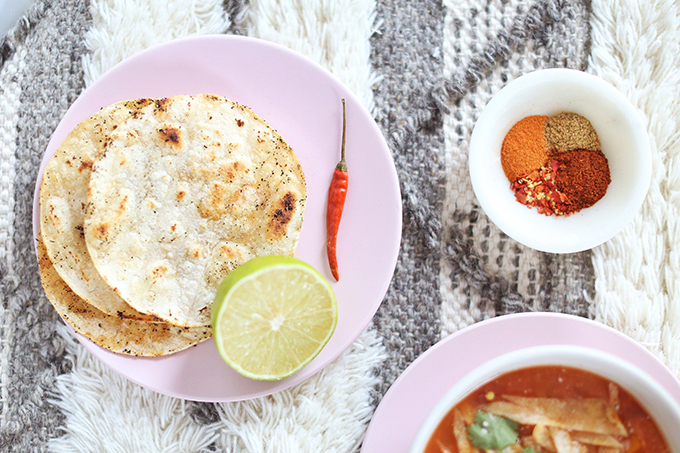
column 271, row 347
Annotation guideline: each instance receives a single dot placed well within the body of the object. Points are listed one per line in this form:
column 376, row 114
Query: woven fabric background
column 424, row 69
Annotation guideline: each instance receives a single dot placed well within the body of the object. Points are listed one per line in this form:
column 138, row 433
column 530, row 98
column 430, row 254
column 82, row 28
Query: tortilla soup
column 548, row 408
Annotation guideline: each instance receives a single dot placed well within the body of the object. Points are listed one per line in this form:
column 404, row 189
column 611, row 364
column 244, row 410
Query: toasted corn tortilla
column 125, row 336
column 63, row 200
column 184, row 192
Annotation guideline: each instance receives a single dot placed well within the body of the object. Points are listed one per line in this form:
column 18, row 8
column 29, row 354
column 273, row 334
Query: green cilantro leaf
column 492, row 432
column 528, row 450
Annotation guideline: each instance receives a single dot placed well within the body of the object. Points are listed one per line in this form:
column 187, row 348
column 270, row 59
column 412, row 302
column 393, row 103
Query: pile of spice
column 555, row 163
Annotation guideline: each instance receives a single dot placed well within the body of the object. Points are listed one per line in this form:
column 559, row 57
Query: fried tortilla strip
column 541, row 434
column 600, row 440
column 468, row 412
column 460, row 433
column 125, row 336
column 564, row 443
column 587, row 414
column 614, row 395
column 530, row 442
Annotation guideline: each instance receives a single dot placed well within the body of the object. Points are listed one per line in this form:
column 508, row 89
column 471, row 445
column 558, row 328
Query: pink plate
column 415, row 393
column 302, row 101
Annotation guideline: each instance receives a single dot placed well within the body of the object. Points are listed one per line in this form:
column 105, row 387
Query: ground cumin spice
column 525, row 149
column 568, row 131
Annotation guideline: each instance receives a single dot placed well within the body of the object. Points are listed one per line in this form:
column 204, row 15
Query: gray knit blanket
column 424, row 69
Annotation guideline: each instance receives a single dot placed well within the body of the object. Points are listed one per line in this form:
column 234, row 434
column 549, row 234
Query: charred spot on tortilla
column 283, row 211
column 85, row 165
column 101, row 231
column 161, row 105
column 171, row 136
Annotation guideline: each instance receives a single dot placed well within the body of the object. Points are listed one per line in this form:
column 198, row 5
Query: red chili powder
column 583, row 176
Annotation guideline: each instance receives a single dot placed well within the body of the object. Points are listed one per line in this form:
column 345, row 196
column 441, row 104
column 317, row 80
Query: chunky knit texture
column 425, row 69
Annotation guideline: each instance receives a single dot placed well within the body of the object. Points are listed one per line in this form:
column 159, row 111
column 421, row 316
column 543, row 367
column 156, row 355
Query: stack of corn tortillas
column 148, row 204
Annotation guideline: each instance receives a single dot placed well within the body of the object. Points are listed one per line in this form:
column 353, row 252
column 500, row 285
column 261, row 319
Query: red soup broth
column 557, row 382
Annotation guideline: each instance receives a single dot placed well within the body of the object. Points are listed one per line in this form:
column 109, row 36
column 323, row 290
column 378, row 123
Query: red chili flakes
column 538, row 190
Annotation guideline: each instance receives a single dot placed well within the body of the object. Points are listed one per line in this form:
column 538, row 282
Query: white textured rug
column 636, row 47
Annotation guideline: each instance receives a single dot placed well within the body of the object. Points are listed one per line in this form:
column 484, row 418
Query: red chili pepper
column 336, row 202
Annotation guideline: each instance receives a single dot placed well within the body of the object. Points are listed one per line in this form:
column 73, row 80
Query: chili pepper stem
column 342, row 165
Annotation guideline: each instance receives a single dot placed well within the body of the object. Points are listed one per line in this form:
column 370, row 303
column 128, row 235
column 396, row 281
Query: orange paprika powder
column 525, row 148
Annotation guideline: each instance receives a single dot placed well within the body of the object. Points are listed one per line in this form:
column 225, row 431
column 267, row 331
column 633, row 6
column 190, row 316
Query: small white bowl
column 663, row 408
column 624, row 142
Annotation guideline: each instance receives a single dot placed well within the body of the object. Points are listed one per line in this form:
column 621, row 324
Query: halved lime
column 272, row 315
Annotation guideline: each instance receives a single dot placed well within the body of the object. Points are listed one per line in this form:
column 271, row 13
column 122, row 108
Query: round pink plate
column 302, row 101
column 418, row 389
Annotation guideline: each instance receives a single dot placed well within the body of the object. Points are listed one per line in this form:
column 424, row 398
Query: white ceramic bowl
column 624, row 142
column 653, row 397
